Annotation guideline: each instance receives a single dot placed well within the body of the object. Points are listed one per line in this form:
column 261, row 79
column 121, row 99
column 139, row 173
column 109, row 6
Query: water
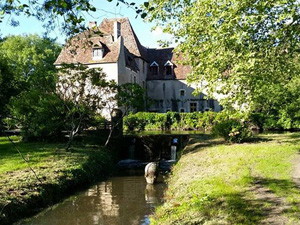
column 125, row 200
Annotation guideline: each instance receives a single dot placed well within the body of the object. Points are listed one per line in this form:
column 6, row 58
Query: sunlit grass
column 216, row 184
column 10, row 159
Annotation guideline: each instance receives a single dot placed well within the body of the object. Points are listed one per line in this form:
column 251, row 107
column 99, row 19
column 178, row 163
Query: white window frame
column 154, row 64
column 168, row 63
column 98, row 56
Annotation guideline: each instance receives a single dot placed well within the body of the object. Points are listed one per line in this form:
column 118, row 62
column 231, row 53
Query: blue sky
column 105, row 10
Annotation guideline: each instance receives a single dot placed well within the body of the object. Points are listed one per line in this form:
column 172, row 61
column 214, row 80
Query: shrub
column 169, row 121
column 40, row 115
column 231, row 128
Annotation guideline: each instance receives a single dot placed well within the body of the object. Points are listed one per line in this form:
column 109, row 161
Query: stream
column 123, row 200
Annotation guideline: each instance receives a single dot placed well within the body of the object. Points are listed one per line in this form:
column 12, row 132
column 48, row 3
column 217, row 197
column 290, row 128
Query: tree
column 129, row 97
column 246, row 51
column 85, row 92
column 132, row 97
column 26, row 66
column 41, row 115
column 31, row 59
column 7, row 88
column 69, row 15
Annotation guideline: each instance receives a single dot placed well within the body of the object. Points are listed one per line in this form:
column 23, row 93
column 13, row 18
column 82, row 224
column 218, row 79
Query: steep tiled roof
column 161, row 57
column 131, row 41
column 79, row 49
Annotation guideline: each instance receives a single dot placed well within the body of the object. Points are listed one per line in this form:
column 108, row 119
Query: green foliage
column 131, row 97
column 41, row 115
column 169, row 121
column 7, row 87
column 30, row 59
column 26, row 68
column 247, row 51
column 68, row 15
column 233, row 127
column 84, row 92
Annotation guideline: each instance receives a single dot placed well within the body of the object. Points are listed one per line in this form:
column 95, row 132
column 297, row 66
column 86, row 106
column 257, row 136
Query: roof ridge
column 161, row 48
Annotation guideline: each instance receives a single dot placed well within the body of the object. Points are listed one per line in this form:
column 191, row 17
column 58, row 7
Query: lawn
column 249, row 183
column 59, row 173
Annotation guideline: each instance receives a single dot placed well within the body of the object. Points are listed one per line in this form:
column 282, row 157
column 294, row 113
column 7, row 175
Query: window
column 134, row 79
column 97, row 53
column 182, row 92
column 193, row 106
column 168, row 70
column 154, row 68
column 182, row 110
column 144, row 84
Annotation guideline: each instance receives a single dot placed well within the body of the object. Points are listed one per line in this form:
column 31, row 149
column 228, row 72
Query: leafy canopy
column 69, row 15
column 26, row 69
column 245, row 51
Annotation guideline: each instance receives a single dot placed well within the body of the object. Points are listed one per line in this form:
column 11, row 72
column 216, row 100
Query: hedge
column 169, row 121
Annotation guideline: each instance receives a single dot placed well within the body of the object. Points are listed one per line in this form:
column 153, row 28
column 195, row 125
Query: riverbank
column 250, row 183
column 59, row 173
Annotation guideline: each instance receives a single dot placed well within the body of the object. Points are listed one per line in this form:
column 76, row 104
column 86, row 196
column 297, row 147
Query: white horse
column 151, row 172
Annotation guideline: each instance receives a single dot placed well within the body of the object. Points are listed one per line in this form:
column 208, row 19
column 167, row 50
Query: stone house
column 122, row 57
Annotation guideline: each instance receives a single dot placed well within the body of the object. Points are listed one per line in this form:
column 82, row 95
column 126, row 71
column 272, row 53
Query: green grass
column 35, row 152
column 60, row 172
column 216, row 183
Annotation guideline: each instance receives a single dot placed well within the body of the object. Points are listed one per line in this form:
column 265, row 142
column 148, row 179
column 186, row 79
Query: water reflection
column 120, row 200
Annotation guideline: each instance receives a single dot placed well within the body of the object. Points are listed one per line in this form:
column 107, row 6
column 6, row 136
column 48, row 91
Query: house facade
column 119, row 53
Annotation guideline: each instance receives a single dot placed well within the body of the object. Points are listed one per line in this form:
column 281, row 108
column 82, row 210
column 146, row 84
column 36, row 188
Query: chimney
column 117, row 30
column 92, row 24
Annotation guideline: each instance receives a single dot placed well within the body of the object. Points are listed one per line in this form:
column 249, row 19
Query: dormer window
column 98, row 53
column 154, row 68
column 168, row 68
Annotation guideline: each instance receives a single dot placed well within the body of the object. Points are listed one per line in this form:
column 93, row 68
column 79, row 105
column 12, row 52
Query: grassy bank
column 59, row 172
column 250, row 183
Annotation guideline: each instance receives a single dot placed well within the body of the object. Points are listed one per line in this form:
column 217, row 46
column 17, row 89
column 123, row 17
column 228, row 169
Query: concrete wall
column 142, row 73
column 167, row 96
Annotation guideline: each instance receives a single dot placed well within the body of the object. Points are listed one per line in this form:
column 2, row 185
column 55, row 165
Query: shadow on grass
column 233, row 208
column 281, row 193
column 198, row 142
column 293, row 138
column 256, row 139
column 281, row 187
column 270, row 202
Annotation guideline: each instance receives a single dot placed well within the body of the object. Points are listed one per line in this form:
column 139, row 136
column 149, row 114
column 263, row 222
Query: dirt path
column 274, row 206
column 296, row 171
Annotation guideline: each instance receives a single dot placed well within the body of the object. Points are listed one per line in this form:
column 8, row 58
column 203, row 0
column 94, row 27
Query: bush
column 40, row 115
column 231, row 128
column 169, row 121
